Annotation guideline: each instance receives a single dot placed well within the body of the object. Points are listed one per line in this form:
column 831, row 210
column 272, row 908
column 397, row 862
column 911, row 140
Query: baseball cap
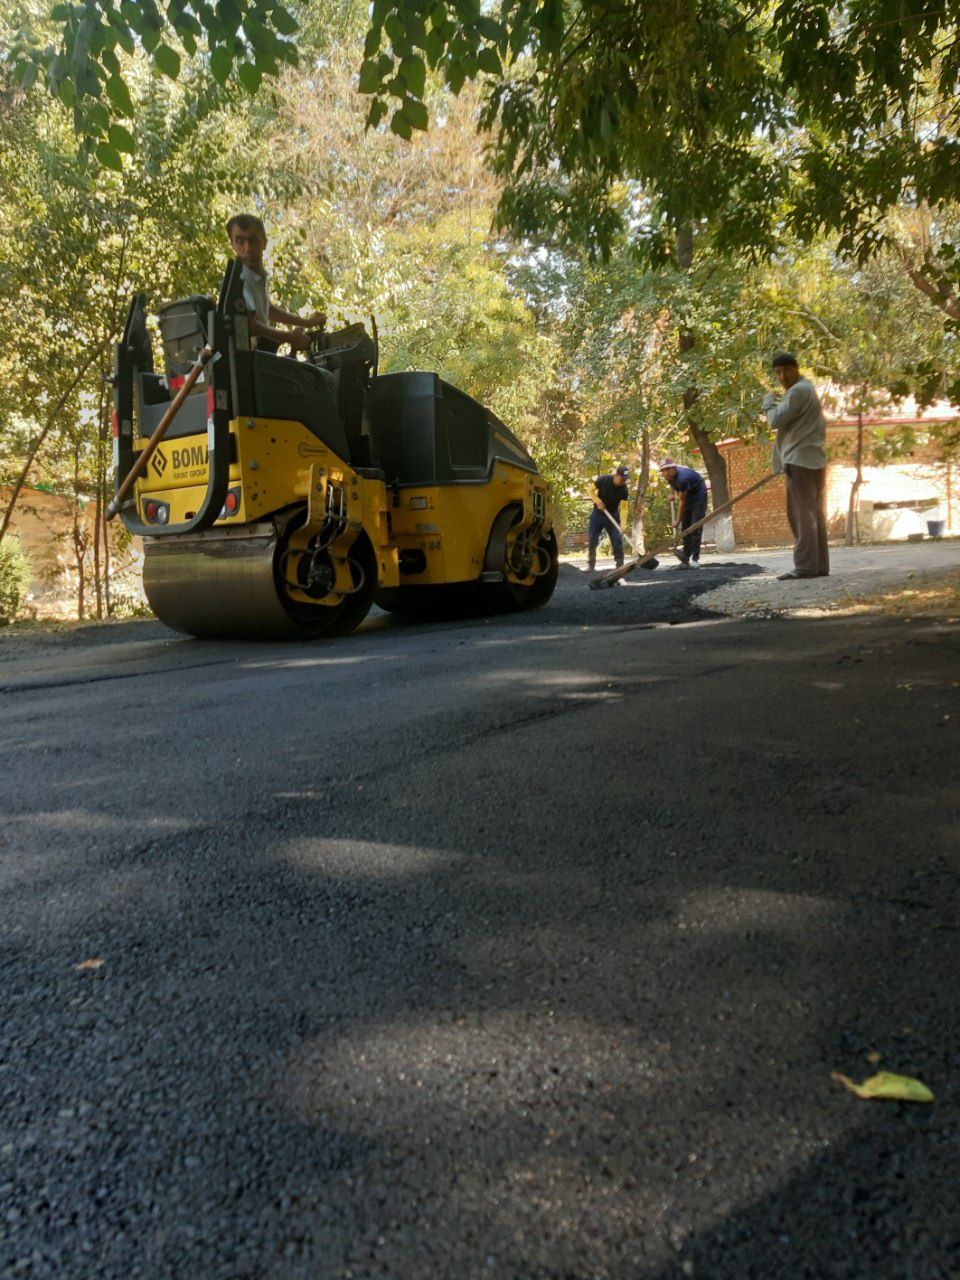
column 783, row 358
column 666, row 464
column 623, row 471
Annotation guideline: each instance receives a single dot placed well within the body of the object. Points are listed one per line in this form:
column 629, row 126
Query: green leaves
column 284, row 21
column 401, row 126
column 121, row 139
column 221, row 62
column 249, row 76
column 108, row 156
column 415, row 112
column 369, row 77
column 764, row 122
column 414, row 73
column 249, row 38
column 167, row 60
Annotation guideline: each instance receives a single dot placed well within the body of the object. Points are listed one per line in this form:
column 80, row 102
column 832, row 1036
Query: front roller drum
column 480, row 598
column 228, row 585
column 530, row 570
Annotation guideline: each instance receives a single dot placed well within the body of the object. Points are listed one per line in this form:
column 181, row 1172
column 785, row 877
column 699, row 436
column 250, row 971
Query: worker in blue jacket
column 692, row 488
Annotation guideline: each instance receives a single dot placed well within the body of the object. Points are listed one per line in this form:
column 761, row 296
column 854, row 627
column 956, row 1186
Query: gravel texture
column 514, row 948
column 855, row 573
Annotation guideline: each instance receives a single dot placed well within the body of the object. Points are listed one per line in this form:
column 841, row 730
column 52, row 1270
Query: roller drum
column 219, row 586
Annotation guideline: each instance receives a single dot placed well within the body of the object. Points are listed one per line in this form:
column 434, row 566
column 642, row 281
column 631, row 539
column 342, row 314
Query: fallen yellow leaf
column 873, row 1058
column 96, row 963
column 886, row 1084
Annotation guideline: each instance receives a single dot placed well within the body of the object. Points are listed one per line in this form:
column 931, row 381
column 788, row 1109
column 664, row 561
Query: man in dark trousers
column 611, row 491
column 692, row 488
column 800, row 450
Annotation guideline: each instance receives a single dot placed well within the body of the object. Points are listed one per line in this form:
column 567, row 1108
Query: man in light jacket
column 799, row 450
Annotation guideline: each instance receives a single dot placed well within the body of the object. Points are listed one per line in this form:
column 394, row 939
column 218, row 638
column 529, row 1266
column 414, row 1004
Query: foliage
column 14, row 578
column 757, row 119
column 373, row 224
column 358, row 224
column 79, row 239
column 92, row 44
column 645, row 389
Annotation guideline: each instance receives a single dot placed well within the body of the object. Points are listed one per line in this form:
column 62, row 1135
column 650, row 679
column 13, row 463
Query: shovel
column 625, row 537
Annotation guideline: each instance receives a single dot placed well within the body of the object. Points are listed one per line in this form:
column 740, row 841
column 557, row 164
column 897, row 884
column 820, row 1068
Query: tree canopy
column 793, row 118
column 764, row 121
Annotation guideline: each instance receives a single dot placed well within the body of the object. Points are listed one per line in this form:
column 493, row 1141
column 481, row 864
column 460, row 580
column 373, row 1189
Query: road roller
column 282, row 498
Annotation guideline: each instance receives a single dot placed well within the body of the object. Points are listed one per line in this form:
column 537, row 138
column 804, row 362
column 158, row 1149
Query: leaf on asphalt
column 96, row 962
column 886, row 1084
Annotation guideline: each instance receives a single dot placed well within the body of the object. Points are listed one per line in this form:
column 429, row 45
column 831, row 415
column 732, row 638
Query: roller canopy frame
column 133, row 355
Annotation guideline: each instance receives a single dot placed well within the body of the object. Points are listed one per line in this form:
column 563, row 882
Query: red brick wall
column 761, row 519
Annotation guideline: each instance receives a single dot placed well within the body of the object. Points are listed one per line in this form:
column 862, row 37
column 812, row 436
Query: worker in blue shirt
column 611, row 491
column 692, row 488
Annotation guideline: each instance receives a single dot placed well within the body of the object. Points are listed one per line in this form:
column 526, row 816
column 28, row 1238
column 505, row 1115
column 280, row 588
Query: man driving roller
column 248, row 240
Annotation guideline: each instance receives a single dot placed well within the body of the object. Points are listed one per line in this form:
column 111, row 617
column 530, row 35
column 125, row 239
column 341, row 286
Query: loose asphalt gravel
column 514, row 948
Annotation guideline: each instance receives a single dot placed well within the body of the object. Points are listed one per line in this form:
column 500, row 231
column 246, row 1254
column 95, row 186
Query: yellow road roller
column 282, row 498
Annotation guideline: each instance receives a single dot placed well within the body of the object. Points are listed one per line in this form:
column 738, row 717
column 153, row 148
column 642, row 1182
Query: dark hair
column 246, row 222
column 784, row 358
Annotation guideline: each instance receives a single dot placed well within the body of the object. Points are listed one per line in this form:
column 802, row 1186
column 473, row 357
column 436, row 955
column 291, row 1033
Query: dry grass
column 938, row 597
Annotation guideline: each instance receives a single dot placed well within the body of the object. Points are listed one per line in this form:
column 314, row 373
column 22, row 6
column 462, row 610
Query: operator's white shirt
column 255, row 295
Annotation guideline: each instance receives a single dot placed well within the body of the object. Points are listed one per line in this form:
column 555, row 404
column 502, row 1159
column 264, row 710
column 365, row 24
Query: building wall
column 924, row 486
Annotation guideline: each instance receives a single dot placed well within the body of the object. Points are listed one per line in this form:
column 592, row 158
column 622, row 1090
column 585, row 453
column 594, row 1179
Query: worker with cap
column 799, row 451
column 611, row 491
column 692, row 488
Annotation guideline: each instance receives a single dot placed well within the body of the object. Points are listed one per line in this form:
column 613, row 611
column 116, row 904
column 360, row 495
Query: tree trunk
column 98, row 522
column 712, row 457
column 80, row 542
column 643, row 484
column 853, row 510
column 715, row 464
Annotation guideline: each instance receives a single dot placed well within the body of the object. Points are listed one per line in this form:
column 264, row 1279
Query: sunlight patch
column 719, row 910
column 364, row 860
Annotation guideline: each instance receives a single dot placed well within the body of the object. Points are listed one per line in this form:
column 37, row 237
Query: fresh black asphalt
column 517, row 948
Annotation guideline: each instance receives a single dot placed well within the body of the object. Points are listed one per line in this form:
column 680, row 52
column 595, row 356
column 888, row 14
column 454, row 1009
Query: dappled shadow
column 450, row 990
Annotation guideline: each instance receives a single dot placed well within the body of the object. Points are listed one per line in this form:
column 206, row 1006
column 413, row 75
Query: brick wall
column 926, row 484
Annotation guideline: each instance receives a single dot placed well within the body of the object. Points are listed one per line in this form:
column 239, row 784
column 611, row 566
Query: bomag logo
column 186, row 459
column 186, row 462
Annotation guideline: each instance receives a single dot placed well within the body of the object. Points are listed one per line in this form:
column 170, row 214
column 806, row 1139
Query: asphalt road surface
column 519, row 948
